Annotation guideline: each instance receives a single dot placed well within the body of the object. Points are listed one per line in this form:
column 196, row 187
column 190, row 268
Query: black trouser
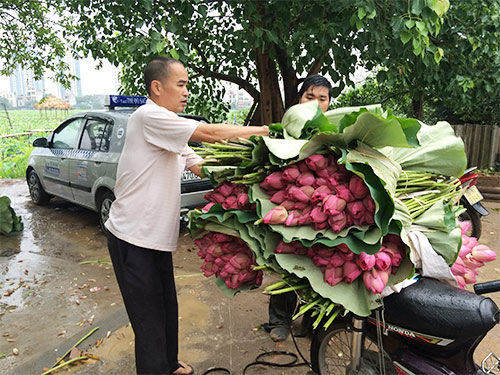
column 146, row 280
column 281, row 308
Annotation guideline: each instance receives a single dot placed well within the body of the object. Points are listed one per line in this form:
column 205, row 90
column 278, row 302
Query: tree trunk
column 418, row 107
column 270, row 107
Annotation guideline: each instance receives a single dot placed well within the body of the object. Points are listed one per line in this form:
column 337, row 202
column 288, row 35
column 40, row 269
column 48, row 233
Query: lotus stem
column 289, row 289
column 74, row 346
column 64, row 364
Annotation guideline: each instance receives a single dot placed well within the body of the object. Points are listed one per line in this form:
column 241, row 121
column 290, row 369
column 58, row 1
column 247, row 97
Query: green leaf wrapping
column 9, row 223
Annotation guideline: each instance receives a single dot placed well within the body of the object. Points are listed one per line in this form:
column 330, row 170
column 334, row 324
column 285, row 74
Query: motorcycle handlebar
column 487, row 287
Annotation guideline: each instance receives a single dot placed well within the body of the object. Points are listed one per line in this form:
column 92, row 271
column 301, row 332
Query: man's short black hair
column 157, row 69
column 314, row 81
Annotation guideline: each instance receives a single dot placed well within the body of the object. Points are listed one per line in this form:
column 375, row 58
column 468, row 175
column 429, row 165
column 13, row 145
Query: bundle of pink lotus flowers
column 230, row 196
column 319, row 192
column 340, row 264
column 472, row 255
column 229, row 258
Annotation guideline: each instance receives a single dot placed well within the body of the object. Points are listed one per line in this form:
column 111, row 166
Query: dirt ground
column 49, row 299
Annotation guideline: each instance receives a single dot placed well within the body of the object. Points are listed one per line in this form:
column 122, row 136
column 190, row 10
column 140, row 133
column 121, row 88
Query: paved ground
column 59, row 299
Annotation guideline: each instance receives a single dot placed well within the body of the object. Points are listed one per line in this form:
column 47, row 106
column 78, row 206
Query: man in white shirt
column 144, row 218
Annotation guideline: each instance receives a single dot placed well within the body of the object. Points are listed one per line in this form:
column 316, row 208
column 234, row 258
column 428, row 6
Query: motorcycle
column 471, row 201
column 429, row 328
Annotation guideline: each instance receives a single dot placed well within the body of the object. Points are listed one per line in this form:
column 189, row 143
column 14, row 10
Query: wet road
column 47, row 296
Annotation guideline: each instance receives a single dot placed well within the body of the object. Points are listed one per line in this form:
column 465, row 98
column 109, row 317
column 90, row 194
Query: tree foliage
column 259, row 44
column 31, row 34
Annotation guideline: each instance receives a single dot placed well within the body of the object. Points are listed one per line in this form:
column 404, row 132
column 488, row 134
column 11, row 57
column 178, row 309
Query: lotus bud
column 278, row 197
column 337, row 259
column 300, row 206
column 285, row 248
column 471, row 262
column 383, row 260
column 395, row 255
column 305, row 217
column 230, row 203
column 344, row 248
column 240, row 261
column 215, row 197
column 303, row 194
column 243, row 201
column 348, row 256
column 344, row 193
column 337, row 222
column 321, row 226
column 334, row 275
column 221, row 237
column 366, row 261
column 458, row 268
column 288, row 204
column 268, row 188
column 320, row 261
column 226, row 189
column 351, row 272
column 303, row 168
column 275, row 180
column 373, row 281
column 483, row 253
column 332, row 160
column 464, row 250
column 207, row 206
column 320, row 193
column 469, row 277
column 293, row 218
column 305, row 179
column 356, row 210
column 461, row 282
column 317, row 215
column 215, row 250
column 465, row 226
column 327, row 172
column 333, row 205
column 319, row 181
column 358, row 187
column 369, row 203
column 291, row 173
column 229, row 247
column 277, row 215
column 316, row 162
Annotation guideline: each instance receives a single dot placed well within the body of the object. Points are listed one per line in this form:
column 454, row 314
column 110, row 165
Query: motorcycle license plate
column 473, row 195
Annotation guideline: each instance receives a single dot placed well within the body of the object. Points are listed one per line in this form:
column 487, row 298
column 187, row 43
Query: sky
column 94, row 82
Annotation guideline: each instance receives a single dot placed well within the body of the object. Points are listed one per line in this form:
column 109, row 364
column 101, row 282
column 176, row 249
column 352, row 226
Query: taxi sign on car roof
column 113, row 101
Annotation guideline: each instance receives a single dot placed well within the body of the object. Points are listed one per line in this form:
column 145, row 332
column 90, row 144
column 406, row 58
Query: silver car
column 78, row 162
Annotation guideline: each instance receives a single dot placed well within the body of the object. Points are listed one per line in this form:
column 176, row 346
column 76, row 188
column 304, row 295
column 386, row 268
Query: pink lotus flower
column 215, row 250
column 208, row 206
column 327, row 172
column 215, row 197
column 240, row 261
column 358, row 187
column 368, row 219
column 483, row 253
column 319, row 181
column 333, row 205
column 373, row 281
column 303, row 194
column 288, row 204
column 278, row 197
column 469, row 277
column 465, row 226
column 275, row 180
column 383, row 260
column 351, row 271
column 356, row 210
column 316, row 162
column 471, row 262
column 337, row 222
column 344, row 248
column 305, row 218
column 230, row 203
column 337, row 260
column 226, row 189
column 290, row 173
column 305, row 179
column 321, row 226
column 461, row 282
column 348, row 256
column 303, row 168
column 278, row 215
column 332, row 160
column 243, row 202
column 320, row 261
column 334, row 275
column 320, row 193
column 293, row 218
column 369, row 203
column 317, row 215
column 344, row 193
column 300, row 206
column 458, row 268
column 396, row 257
column 285, row 248
column 464, row 250
column 221, row 237
column 366, row 261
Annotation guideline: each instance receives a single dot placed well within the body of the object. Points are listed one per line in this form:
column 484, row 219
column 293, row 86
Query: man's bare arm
column 196, row 169
column 218, row 132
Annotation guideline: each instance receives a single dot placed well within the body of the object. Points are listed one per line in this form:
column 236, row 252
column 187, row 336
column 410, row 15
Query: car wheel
column 38, row 195
column 105, row 202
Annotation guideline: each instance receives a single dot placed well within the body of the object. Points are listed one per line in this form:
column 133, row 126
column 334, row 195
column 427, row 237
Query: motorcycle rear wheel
column 474, row 217
column 331, row 352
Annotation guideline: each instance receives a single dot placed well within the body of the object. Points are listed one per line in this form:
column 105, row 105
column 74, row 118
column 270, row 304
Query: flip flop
column 187, row 373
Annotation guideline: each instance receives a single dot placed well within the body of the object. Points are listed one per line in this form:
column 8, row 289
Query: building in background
column 25, row 87
column 10, row 96
column 70, row 94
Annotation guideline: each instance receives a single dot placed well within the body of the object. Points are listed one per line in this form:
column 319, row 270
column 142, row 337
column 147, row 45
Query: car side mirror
column 40, row 142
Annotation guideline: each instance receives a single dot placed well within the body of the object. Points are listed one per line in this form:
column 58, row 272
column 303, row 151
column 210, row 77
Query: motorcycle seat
column 439, row 309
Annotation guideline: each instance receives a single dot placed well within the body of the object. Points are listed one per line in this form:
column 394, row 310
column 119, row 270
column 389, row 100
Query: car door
column 56, row 164
column 90, row 159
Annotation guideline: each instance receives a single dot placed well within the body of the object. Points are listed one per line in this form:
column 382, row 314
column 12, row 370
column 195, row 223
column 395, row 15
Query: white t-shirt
column 146, row 210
